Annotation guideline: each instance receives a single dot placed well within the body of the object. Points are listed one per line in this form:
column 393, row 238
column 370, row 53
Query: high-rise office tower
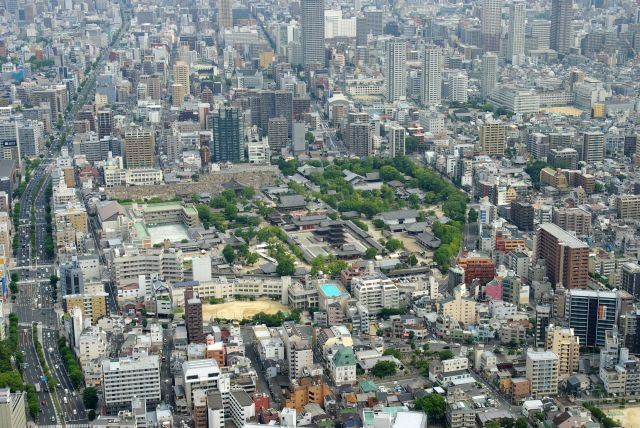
column 225, row 18
column 591, row 313
column 491, row 26
column 489, row 74
column 31, row 138
column 566, row 257
column 396, row 70
column 396, row 138
column 278, row 132
column 269, row 104
column 313, row 32
column 593, row 147
column 432, row 62
column 105, row 123
column 516, row 32
column 228, row 135
column 375, row 21
column 561, row 25
column 538, row 33
column 362, row 30
column 139, row 147
column 180, row 77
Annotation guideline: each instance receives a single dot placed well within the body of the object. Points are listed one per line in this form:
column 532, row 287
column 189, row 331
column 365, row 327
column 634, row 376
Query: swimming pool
column 331, row 290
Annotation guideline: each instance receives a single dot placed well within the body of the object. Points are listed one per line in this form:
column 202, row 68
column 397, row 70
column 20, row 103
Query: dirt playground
column 241, row 309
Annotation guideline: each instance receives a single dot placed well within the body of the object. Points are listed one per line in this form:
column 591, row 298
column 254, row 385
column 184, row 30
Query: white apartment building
column 259, row 152
column 114, row 176
column 224, row 288
column 215, row 410
column 455, row 364
column 337, row 26
column 298, row 352
column 92, row 345
column 542, row 373
column 375, row 292
column 458, row 87
column 517, row 100
column 241, row 407
column 202, row 375
column 132, row 262
column 125, row 378
column 431, row 121
column 368, row 87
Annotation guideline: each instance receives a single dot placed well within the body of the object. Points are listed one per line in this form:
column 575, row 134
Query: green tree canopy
column 383, row 369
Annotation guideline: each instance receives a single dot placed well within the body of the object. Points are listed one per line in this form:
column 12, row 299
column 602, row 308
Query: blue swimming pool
column 331, row 290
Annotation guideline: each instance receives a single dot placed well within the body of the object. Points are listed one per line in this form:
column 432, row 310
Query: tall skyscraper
column 105, row 123
column 591, row 313
column 225, row 19
column 566, row 257
column 375, row 21
column 139, row 147
column 362, row 30
column 313, row 32
column 396, row 70
column 228, row 135
column 491, row 25
column 561, row 25
column 181, row 78
column 516, row 32
column 489, row 74
column 432, row 62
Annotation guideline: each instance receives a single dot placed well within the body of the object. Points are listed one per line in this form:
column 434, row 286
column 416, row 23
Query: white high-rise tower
column 489, row 73
column 516, row 32
column 396, row 70
column 432, row 63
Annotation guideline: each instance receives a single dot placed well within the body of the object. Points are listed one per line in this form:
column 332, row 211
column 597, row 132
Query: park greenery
column 450, row 235
column 328, row 265
column 10, row 374
column 75, row 373
column 223, row 213
column 273, row 320
column 533, row 170
column 383, row 369
column 601, row 416
column 434, row 405
column 340, row 195
column 90, row 398
column 344, row 197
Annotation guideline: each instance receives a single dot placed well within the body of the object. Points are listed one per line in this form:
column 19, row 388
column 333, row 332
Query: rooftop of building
column 563, row 236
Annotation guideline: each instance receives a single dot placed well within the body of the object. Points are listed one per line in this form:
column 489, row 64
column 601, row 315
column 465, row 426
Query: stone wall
column 252, row 176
